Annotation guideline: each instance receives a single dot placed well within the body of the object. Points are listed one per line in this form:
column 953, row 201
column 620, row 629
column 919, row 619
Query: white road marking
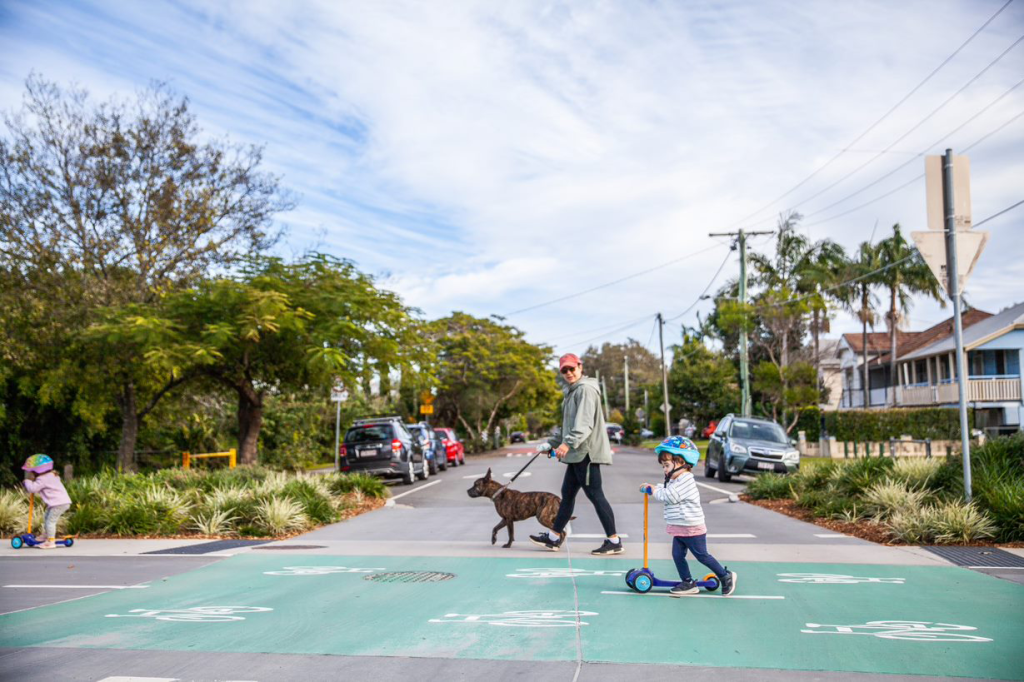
column 84, row 587
column 63, row 601
column 731, row 535
column 698, row 596
column 1001, row 568
column 391, row 500
column 595, row 536
column 730, row 493
column 120, row 678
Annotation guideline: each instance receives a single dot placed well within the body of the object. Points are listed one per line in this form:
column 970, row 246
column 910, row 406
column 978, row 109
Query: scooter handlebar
column 646, row 489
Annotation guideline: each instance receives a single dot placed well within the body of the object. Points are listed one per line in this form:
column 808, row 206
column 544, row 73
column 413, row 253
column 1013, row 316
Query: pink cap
column 568, row 360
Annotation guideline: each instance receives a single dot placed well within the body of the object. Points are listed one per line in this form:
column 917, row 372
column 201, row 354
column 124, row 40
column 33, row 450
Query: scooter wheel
column 711, row 581
column 643, row 583
column 629, row 577
column 17, row 542
column 68, row 542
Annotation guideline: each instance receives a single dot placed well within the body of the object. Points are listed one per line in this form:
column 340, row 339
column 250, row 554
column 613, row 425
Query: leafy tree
column 908, row 274
column 860, row 300
column 114, row 205
column 280, row 328
column 487, row 371
column 609, row 360
column 784, row 391
column 702, row 383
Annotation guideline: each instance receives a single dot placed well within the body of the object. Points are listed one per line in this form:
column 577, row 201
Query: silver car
column 749, row 445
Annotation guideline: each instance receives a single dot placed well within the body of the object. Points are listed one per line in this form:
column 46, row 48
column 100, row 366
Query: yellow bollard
column 231, row 458
column 185, row 464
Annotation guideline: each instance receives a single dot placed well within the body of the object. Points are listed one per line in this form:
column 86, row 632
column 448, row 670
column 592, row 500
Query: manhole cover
column 410, row 577
column 293, row 547
column 974, row 557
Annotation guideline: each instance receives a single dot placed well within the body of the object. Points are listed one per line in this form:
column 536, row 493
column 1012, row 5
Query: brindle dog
column 513, row 505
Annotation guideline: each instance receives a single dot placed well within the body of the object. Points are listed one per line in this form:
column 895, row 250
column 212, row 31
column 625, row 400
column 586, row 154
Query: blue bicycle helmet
column 681, row 447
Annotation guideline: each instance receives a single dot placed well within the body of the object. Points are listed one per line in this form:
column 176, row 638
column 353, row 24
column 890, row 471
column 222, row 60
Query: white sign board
column 961, row 192
column 339, row 394
column 969, row 245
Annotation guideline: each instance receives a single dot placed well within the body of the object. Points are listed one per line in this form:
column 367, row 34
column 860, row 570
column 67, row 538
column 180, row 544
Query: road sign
column 640, row 414
column 961, row 192
column 969, row 245
column 426, row 398
column 666, row 406
column 339, row 394
column 426, row 409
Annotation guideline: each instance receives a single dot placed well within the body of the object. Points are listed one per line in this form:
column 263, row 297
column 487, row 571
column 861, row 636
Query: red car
column 453, row 446
column 709, row 430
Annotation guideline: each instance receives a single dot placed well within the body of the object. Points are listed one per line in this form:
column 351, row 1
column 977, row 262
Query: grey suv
column 749, row 445
column 384, row 447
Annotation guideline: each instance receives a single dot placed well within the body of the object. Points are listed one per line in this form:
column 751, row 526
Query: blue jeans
column 698, row 544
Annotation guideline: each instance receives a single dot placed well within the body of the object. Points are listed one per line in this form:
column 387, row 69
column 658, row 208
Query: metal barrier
column 927, row 442
column 187, row 457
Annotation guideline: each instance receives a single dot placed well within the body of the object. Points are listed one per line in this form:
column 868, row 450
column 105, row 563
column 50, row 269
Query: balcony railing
column 982, row 390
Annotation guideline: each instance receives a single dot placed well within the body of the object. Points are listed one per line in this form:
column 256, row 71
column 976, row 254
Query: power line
column 875, row 124
column 996, row 215
column 612, row 283
column 710, row 284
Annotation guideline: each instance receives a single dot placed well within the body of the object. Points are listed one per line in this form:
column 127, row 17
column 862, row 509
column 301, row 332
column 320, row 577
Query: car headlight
column 737, row 449
column 791, row 454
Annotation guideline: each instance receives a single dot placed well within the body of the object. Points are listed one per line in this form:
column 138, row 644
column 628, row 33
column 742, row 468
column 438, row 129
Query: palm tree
column 860, row 300
column 822, row 268
column 907, row 274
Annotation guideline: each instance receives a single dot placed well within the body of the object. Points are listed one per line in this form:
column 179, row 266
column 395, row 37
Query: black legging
column 576, row 478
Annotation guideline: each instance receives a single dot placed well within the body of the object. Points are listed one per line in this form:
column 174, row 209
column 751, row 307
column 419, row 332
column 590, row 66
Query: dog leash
column 512, row 480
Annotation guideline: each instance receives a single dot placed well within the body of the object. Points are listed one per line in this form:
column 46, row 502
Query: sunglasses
column 569, row 370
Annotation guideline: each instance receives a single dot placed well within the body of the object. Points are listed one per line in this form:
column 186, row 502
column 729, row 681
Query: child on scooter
column 41, row 479
column 684, row 516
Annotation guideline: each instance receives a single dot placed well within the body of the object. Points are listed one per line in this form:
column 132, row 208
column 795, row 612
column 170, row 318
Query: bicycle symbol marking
column 196, row 614
column 520, row 619
column 559, row 573
column 834, row 579
column 906, row 630
column 320, row 570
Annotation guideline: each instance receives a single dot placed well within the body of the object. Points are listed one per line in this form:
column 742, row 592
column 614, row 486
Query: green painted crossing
column 951, row 621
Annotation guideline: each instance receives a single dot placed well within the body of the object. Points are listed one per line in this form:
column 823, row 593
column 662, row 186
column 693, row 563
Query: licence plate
column 767, row 466
column 368, row 452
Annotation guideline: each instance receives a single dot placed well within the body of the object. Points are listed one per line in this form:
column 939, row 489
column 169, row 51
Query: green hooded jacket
column 583, row 427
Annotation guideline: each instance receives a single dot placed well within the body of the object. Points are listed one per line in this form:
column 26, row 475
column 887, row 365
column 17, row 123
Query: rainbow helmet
column 681, row 447
column 38, row 464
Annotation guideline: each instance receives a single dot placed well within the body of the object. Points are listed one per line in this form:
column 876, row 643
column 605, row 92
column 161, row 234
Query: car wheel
column 434, row 467
column 462, row 459
column 424, row 470
column 709, row 471
column 723, row 475
column 409, row 477
column 443, row 465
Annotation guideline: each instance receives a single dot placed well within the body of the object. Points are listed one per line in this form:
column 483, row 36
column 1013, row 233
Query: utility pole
column 627, row 385
column 741, row 238
column 664, row 377
column 647, row 412
column 949, row 215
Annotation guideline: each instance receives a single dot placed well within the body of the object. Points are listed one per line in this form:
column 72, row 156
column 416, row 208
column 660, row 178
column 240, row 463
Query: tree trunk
column 864, row 342
column 250, row 420
column 815, row 331
column 129, row 428
column 893, row 320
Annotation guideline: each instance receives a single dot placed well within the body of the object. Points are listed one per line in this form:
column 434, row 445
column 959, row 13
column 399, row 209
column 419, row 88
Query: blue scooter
column 19, row 541
column 643, row 579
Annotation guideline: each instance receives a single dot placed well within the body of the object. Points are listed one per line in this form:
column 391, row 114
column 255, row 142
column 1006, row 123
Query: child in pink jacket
column 42, row 480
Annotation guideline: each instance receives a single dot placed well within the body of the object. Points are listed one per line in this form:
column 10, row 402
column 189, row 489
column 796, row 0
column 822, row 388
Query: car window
column 367, row 433
column 723, row 426
column 402, row 431
column 772, row 433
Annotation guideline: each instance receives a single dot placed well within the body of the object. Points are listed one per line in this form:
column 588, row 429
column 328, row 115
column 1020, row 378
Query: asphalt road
column 333, row 603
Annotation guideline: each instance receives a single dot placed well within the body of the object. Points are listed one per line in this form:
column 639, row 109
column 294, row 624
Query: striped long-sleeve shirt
column 682, row 501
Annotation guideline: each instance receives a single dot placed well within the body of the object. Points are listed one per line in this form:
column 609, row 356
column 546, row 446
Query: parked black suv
column 384, row 447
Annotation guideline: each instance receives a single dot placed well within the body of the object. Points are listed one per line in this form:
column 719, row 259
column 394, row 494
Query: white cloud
column 492, row 156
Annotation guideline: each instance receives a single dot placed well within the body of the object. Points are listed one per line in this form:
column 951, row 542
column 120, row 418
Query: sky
column 500, row 158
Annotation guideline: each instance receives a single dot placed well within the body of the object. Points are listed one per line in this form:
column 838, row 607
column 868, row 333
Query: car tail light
column 346, row 468
column 396, row 446
column 342, row 451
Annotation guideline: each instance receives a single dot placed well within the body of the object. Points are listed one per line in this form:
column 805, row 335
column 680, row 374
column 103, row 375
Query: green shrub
column 944, row 524
column 13, row 512
column 280, row 515
column 884, row 499
column 212, row 522
column 859, row 475
column 131, row 516
column 86, row 517
column 1004, row 503
column 937, row 423
column 814, row 478
column 769, row 487
column 342, row 484
column 914, row 472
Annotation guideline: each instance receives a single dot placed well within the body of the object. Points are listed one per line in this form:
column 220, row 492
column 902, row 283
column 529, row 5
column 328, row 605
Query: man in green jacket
column 584, row 448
